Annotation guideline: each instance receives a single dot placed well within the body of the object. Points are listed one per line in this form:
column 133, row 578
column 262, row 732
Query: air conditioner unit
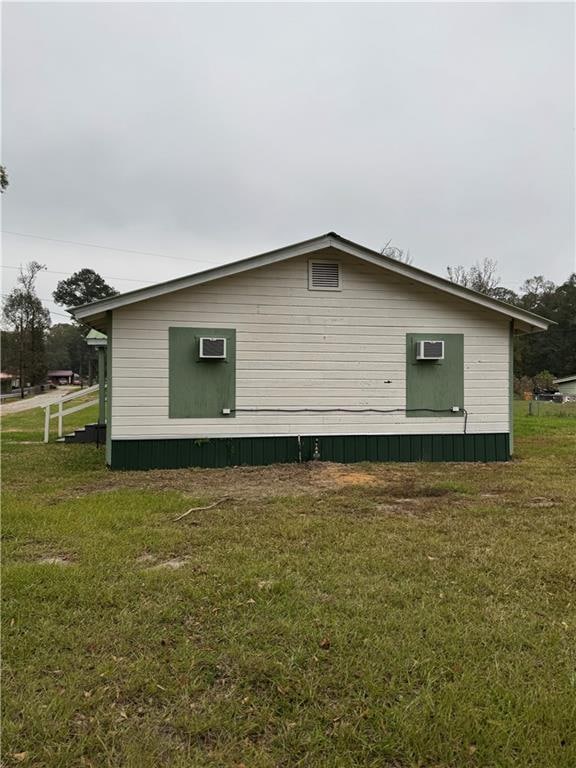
column 429, row 350
column 212, row 348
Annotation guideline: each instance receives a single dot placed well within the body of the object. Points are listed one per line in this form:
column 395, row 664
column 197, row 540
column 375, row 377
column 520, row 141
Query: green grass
column 389, row 616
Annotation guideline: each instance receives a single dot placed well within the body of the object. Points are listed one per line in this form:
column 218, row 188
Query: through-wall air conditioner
column 429, row 350
column 212, row 348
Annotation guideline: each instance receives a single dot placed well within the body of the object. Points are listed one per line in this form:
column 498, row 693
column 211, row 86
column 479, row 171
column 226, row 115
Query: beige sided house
column 324, row 349
column 566, row 385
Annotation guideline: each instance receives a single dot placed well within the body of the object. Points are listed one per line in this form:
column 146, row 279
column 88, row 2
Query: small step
column 91, row 433
column 78, row 436
column 95, row 431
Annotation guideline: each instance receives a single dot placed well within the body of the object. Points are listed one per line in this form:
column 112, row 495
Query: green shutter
column 435, row 384
column 200, row 388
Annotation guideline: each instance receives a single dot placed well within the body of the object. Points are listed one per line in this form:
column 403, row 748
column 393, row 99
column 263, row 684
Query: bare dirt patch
column 400, row 510
column 21, row 442
column 409, row 491
column 389, row 484
column 305, row 479
column 541, row 501
column 54, row 560
column 363, row 489
column 419, row 507
column 153, row 562
column 331, row 475
column 170, row 565
column 145, row 559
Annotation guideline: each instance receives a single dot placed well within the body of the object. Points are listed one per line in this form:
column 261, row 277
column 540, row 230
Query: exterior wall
column 567, row 387
column 301, row 348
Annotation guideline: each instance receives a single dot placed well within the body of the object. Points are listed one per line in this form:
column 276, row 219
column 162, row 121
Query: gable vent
column 324, row 276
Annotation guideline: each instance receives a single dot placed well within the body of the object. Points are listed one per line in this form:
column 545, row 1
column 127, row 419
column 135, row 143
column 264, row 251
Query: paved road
column 37, row 401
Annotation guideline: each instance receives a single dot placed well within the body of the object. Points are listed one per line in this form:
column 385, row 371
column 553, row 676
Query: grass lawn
column 392, row 615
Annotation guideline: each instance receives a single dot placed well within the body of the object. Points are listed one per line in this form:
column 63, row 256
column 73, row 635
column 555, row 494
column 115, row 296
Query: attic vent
column 324, row 276
column 214, row 349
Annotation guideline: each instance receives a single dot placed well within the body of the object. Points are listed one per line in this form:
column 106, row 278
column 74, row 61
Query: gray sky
column 214, row 132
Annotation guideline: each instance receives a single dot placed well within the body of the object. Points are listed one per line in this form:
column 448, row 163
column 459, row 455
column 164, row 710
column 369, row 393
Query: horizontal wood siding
column 298, row 348
column 568, row 387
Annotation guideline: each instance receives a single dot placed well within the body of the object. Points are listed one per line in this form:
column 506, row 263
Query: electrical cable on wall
column 353, row 410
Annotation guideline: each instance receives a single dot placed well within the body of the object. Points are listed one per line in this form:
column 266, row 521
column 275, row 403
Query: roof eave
column 224, row 270
column 530, row 320
column 524, row 321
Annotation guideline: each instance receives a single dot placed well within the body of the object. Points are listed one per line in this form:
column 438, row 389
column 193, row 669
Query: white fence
column 61, row 412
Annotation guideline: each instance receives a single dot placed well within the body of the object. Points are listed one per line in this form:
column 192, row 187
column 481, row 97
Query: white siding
column 568, row 387
column 301, row 348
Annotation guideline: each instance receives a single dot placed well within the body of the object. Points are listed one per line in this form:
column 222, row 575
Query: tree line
column 538, row 357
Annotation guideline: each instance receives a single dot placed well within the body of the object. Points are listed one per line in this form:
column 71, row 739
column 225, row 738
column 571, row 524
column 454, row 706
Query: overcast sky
column 215, row 132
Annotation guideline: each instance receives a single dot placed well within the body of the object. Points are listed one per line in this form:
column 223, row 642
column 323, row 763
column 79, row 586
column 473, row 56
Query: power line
column 102, row 247
column 108, row 277
column 51, row 311
column 42, row 298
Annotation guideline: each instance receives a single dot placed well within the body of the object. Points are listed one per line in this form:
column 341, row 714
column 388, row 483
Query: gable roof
column 94, row 313
column 565, row 379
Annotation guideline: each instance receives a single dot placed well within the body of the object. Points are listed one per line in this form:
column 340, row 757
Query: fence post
column 47, row 423
column 60, row 419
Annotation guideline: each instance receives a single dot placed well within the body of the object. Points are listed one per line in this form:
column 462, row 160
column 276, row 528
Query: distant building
column 6, row 382
column 63, row 377
column 566, row 385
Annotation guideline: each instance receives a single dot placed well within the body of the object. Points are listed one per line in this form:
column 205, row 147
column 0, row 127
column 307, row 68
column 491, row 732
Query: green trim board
column 102, row 385
column 200, row 388
column 435, row 384
column 233, row 451
column 109, row 334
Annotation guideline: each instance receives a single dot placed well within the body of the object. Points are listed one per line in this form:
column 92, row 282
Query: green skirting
column 232, row 451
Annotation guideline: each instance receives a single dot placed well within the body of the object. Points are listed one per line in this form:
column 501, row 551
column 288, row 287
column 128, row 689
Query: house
column 323, row 349
column 6, row 382
column 63, row 377
column 566, row 385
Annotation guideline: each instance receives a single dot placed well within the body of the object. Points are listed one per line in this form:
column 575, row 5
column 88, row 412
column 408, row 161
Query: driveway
column 36, row 401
